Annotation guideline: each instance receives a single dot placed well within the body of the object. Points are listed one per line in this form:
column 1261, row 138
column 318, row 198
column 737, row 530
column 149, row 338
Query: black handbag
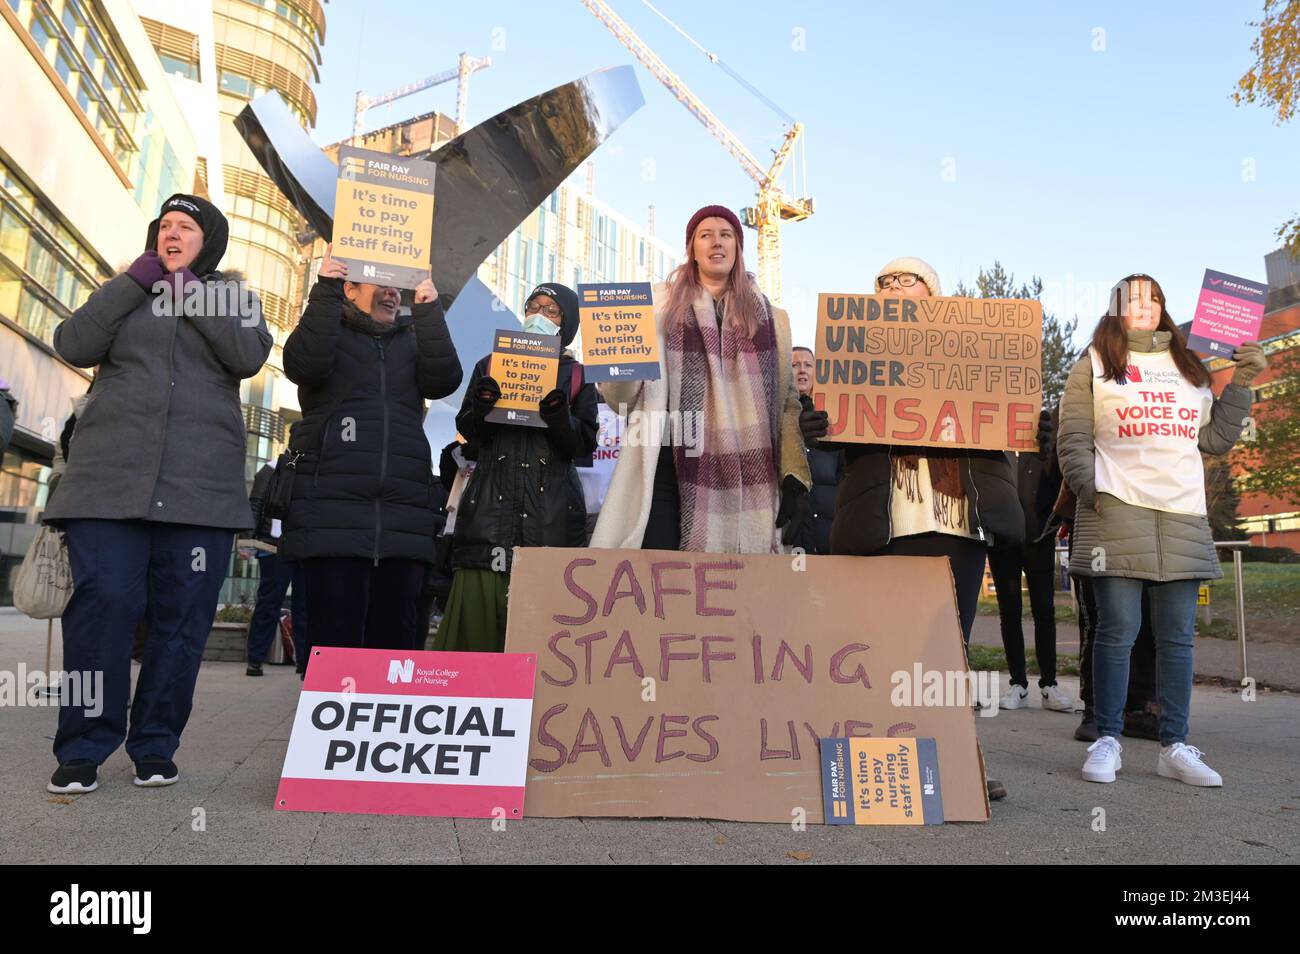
column 280, row 493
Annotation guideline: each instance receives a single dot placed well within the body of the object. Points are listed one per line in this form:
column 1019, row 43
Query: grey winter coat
column 162, row 434
column 1138, row 542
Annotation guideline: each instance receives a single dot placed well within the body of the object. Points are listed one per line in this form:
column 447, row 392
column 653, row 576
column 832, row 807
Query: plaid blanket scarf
column 723, row 391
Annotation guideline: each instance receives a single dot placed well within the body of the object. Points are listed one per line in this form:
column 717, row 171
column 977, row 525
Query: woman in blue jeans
column 1136, row 417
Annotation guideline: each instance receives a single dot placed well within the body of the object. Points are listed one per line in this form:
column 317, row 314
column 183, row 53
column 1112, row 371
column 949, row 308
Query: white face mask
column 541, row 325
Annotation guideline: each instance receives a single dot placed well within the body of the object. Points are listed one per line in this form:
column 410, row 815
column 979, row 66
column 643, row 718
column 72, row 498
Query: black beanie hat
column 567, row 299
column 215, row 228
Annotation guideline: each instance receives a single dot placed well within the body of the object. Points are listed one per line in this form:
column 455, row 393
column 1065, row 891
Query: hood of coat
column 358, row 320
column 216, row 230
column 567, row 299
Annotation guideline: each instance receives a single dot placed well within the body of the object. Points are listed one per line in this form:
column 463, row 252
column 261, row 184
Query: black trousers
column 356, row 603
column 965, row 556
column 663, row 531
column 1038, row 562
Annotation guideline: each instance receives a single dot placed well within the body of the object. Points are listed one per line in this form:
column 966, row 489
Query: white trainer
column 1103, row 760
column 1056, row 700
column 1016, row 697
column 1183, row 762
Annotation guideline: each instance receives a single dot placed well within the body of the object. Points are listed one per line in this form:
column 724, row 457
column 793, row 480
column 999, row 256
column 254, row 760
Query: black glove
column 555, row 402
column 813, row 424
column 1046, row 434
column 486, row 394
column 447, row 466
column 794, row 507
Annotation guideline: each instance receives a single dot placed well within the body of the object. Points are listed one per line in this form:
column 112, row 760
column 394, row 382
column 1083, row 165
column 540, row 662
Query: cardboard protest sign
column 618, row 332
column 386, row 732
column 383, row 217
column 961, row 372
column 1229, row 311
column 700, row 685
column 526, row 366
column 881, row 782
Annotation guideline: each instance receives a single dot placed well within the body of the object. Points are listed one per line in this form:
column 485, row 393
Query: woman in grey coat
column 1136, row 417
column 154, row 487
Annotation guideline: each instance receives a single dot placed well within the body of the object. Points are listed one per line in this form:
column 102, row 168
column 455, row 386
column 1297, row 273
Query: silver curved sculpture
column 489, row 178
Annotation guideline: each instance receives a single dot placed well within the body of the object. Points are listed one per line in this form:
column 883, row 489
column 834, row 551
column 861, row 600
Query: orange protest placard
column 932, row 372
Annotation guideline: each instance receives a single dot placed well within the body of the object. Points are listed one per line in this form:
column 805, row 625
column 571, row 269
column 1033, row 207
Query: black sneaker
column 254, row 669
column 1142, row 725
column 997, row 791
column 152, row 772
column 1087, row 730
column 73, row 778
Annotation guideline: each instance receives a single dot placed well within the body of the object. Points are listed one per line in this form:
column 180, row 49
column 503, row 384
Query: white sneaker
column 1103, row 760
column 1016, row 697
column 1056, row 700
column 1183, row 762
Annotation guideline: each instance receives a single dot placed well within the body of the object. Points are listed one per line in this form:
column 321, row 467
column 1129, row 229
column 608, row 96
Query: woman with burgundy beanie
column 155, row 488
column 733, row 475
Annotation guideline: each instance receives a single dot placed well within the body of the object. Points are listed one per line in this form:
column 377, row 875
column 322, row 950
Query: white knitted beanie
column 916, row 266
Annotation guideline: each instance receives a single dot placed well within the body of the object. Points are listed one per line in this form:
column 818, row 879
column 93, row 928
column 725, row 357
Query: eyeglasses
column 905, row 280
column 550, row 311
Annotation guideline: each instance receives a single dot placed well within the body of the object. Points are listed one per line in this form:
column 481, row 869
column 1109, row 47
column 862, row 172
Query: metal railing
column 1236, row 546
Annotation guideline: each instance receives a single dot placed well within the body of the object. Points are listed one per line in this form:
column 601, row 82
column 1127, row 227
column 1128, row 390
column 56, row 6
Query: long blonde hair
column 742, row 304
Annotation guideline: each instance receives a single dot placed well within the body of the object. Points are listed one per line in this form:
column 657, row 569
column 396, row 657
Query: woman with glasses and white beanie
column 924, row 501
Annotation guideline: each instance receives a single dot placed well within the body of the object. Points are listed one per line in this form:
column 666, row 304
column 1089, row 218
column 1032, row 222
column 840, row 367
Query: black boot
column 1087, row 730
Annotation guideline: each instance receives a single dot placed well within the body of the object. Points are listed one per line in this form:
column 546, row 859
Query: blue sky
column 959, row 132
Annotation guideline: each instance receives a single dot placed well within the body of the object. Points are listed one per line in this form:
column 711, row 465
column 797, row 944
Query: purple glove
column 146, row 270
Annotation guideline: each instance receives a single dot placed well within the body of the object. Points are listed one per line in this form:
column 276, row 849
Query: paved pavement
column 220, row 811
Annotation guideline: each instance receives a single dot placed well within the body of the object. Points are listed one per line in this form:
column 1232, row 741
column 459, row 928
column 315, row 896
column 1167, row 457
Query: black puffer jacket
column 364, row 486
column 827, row 467
column 525, row 490
column 862, row 522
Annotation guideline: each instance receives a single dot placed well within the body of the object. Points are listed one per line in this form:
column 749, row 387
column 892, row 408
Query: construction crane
column 466, row 65
column 774, row 206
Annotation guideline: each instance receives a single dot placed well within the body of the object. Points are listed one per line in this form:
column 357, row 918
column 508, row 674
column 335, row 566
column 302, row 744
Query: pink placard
column 410, row 733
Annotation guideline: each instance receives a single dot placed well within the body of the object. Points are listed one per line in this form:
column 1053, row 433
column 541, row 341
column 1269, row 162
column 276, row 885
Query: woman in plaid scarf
column 712, row 459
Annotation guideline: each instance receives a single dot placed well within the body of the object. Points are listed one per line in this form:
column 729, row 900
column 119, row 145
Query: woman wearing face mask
column 524, row 491
column 155, row 488
column 1136, row 417
column 361, row 517
column 734, row 475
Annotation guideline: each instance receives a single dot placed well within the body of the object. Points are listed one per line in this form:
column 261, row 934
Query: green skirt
column 475, row 621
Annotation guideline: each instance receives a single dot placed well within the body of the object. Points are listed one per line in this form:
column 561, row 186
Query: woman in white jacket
column 712, row 459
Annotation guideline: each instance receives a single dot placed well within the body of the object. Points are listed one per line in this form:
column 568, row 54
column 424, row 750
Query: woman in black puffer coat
column 525, row 490
column 924, row 501
column 362, row 512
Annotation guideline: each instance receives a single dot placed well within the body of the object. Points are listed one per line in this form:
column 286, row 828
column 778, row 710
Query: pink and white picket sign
column 411, row 733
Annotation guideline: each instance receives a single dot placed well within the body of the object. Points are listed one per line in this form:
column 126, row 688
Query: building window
column 45, row 271
column 76, row 43
column 178, row 67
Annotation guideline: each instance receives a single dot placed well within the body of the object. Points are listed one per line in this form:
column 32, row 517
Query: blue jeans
column 276, row 577
column 1173, row 624
column 123, row 570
